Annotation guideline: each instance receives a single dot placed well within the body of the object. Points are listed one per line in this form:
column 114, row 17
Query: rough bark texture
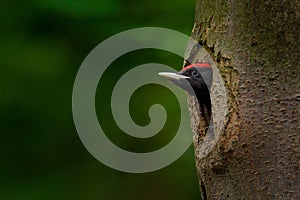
column 255, row 45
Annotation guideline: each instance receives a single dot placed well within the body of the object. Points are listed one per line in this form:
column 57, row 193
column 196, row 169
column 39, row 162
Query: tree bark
column 255, row 46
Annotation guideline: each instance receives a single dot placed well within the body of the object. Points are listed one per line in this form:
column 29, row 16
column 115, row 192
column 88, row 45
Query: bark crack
column 203, row 190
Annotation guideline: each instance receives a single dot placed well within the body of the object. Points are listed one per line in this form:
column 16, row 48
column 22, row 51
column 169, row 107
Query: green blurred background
column 43, row 43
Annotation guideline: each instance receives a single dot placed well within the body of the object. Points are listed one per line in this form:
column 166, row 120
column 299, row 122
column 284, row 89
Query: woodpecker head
column 196, row 79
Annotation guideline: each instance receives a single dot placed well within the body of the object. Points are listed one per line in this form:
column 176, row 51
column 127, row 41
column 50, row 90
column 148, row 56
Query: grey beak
column 173, row 76
column 179, row 80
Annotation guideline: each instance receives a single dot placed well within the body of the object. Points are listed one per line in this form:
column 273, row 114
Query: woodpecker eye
column 195, row 73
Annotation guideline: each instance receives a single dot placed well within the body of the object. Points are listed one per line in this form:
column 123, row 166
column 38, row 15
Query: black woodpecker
column 196, row 79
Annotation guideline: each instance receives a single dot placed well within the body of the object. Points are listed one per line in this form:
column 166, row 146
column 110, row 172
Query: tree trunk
column 255, row 46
